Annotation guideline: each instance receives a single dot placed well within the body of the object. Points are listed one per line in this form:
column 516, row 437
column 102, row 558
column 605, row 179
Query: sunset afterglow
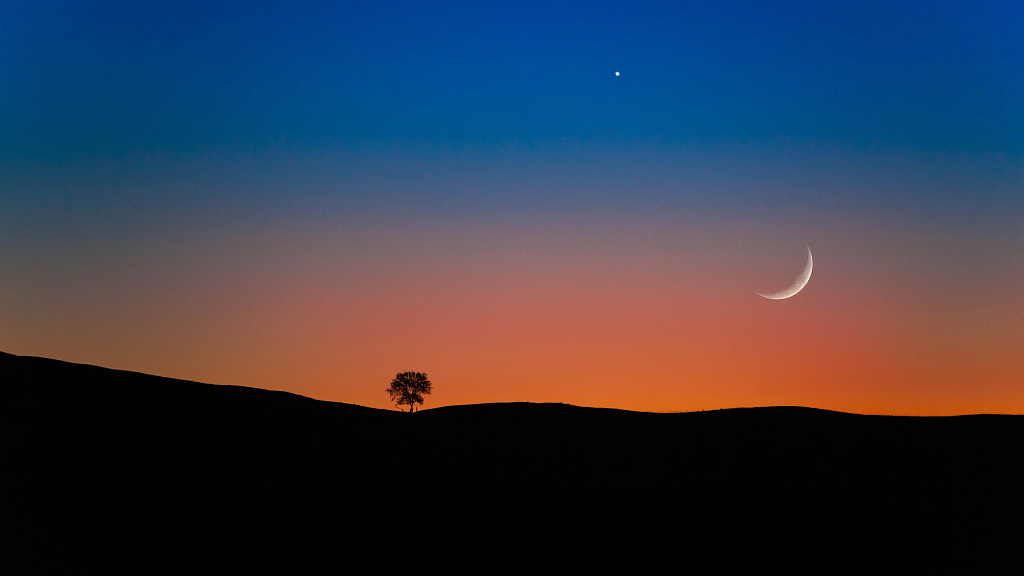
column 313, row 200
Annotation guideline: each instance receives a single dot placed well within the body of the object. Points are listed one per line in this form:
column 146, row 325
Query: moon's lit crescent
column 797, row 286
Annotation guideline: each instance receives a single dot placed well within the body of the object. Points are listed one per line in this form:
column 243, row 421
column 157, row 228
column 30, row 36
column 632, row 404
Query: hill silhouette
column 105, row 464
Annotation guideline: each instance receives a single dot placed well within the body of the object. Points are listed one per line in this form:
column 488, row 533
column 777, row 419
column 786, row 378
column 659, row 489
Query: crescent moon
column 797, row 286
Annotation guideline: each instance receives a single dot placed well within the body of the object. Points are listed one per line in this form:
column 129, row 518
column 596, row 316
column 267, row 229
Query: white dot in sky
column 616, row 73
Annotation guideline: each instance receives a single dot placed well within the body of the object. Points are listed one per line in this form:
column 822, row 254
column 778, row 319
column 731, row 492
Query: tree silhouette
column 409, row 388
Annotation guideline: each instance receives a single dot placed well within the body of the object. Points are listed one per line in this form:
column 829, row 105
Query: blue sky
column 108, row 77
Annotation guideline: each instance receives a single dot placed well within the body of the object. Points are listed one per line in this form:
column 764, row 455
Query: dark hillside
column 101, row 462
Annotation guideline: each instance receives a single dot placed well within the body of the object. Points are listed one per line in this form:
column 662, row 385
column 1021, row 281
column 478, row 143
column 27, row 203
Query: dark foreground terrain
column 111, row 468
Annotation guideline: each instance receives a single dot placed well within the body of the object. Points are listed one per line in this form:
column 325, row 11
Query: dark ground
column 111, row 469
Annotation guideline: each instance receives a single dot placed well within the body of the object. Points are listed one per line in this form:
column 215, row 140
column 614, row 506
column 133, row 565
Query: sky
column 531, row 201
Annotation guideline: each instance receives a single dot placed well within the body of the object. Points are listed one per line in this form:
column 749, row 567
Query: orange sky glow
column 646, row 315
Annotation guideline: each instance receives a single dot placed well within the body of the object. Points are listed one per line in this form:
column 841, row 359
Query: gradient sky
column 315, row 198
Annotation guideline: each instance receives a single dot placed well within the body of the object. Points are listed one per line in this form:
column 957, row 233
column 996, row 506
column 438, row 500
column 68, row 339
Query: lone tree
column 409, row 388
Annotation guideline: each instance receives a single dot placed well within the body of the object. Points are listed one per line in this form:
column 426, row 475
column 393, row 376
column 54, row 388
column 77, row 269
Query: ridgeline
column 103, row 465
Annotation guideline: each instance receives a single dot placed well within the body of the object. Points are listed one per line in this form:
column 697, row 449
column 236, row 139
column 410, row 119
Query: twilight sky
column 315, row 198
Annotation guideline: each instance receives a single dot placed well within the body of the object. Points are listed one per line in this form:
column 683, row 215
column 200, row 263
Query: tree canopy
column 409, row 388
